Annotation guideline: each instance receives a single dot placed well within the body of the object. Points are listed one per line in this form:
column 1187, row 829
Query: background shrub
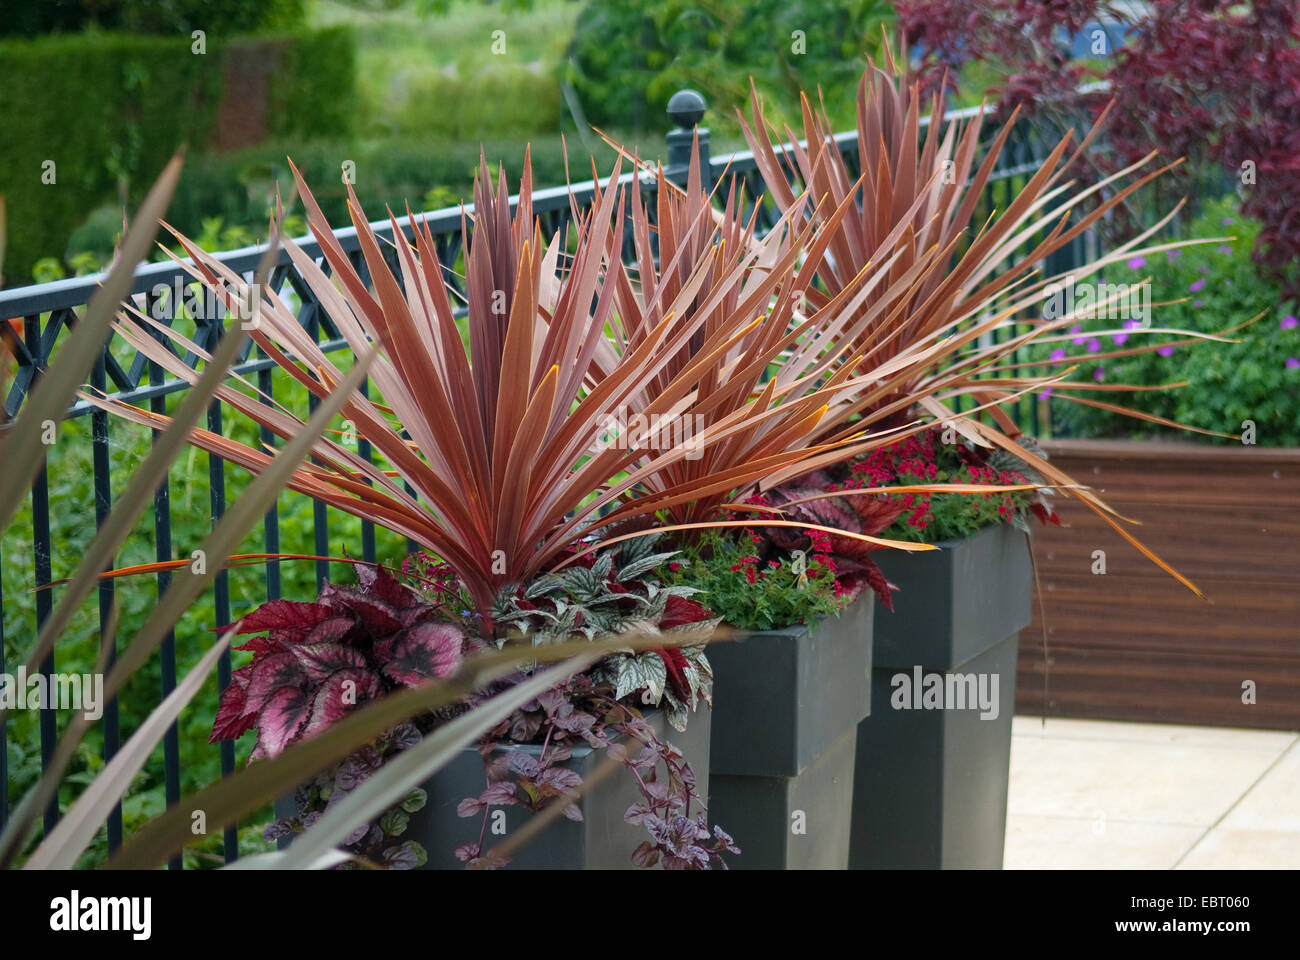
column 629, row 56
column 72, row 525
column 1257, row 379
column 29, row 18
column 109, row 110
column 239, row 187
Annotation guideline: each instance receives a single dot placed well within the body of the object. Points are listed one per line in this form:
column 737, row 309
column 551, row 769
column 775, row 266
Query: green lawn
column 455, row 76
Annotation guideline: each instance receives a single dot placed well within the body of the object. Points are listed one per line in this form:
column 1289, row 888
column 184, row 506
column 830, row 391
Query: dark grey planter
column 786, row 707
column 601, row 841
column 930, row 787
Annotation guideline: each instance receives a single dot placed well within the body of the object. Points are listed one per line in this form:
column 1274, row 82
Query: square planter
column 786, row 706
column 930, row 786
column 601, row 841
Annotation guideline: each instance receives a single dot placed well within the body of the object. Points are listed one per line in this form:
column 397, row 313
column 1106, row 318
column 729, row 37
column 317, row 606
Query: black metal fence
column 49, row 310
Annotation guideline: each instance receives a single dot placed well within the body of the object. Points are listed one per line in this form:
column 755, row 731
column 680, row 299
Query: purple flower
column 1293, row 363
column 1289, row 322
column 1045, row 392
column 1198, row 303
column 1203, row 269
column 1093, row 345
column 1137, row 262
column 1099, row 374
column 1196, row 286
column 1228, row 221
column 1224, row 248
column 1119, row 338
column 1165, row 351
column 1057, row 355
column 1172, row 254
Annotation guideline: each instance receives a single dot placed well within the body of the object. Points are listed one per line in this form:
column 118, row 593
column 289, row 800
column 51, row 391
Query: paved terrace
column 1097, row 794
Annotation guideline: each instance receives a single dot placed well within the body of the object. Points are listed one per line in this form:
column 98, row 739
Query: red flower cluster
column 749, row 565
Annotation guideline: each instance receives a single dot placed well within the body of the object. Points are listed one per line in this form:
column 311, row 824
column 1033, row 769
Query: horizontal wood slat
column 1146, row 614
column 1175, row 473
column 1253, row 543
column 1158, row 686
column 1133, row 644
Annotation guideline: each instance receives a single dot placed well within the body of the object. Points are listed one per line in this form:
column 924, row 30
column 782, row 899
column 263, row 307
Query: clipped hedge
column 108, row 110
column 313, row 91
column 34, row 18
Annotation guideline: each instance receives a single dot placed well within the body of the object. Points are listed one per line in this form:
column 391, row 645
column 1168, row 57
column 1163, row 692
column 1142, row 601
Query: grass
column 479, row 71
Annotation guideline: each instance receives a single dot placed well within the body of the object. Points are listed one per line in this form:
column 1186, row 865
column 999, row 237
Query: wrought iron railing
column 49, row 310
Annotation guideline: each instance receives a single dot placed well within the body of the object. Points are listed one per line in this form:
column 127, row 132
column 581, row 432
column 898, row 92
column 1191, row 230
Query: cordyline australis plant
column 953, row 286
column 504, row 451
column 501, row 452
column 707, row 271
column 796, row 376
column 61, row 847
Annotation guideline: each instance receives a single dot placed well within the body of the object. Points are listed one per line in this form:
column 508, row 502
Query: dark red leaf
column 645, row 855
column 425, row 652
column 269, row 675
column 232, row 720
column 280, row 719
column 344, row 690
column 680, row 611
column 319, row 660
column 284, row 615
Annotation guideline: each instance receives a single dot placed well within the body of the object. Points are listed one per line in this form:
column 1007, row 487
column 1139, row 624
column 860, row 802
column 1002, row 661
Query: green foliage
column 593, row 600
column 492, row 101
column 99, row 115
column 750, row 594
column 1257, row 379
column 630, row 56
column 313, row 88
column 476, row 70
column 32, row 18
column 72, row 523
column 103, row 111
column 239, row 187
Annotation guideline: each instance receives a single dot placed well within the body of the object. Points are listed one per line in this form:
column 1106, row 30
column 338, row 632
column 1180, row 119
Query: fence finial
column 686, row 109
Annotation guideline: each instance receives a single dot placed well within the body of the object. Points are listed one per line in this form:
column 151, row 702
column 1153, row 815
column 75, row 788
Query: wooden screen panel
column 1133, row 644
